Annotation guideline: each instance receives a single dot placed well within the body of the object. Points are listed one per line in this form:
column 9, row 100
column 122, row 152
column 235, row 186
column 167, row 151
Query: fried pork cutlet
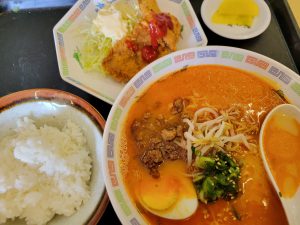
column 155, row 36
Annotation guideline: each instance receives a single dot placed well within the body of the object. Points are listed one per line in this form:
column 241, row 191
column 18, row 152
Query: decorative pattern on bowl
column 285, row 80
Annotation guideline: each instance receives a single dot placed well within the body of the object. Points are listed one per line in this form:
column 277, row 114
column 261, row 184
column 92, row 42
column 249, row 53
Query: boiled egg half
column 170, row 196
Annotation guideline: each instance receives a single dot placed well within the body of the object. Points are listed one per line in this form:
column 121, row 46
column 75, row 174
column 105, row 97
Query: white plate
column 67, row 39
column 279, row 75
column 260, row 23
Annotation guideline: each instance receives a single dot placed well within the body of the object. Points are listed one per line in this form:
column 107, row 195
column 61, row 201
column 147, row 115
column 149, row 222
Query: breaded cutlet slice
column 122, row 63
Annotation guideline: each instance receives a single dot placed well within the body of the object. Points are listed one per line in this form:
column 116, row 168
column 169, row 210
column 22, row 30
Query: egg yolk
column 168, row 190
column 159, row 194
column 236, row 12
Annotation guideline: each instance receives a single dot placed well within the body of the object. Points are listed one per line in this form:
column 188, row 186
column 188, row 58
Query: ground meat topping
column 177, row 106
column 168, row 134
column 152, row 158
column 158, row 137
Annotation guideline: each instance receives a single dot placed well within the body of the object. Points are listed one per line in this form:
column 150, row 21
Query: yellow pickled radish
column 236, row 12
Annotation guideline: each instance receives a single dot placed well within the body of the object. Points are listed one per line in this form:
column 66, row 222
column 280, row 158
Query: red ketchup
column 149, row 53
column 132, row 45
column 158, row 28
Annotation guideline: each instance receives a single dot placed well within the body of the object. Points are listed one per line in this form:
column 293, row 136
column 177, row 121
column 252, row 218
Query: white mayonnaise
column 110, row 23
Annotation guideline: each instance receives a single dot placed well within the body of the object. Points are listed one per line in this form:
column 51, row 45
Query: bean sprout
column 227, row 128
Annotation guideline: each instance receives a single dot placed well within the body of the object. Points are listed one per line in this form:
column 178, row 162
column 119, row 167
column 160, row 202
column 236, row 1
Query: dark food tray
column 28, row 58
column 289, row 26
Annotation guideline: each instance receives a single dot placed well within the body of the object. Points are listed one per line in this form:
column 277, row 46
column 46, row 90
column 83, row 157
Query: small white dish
column 68, row 39
column 260, row 23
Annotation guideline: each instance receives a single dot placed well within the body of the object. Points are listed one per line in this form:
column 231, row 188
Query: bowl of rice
column 50, row 171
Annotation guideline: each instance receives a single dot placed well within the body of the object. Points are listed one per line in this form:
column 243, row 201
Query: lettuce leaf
column 94, row 50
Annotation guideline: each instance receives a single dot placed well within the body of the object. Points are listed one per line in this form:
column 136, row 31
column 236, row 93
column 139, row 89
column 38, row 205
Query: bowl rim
column 117, row 208
column 44, row 94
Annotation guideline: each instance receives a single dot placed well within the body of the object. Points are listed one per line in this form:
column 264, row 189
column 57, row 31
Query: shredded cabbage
column 94, row 50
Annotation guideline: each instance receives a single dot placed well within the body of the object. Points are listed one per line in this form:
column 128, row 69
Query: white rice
column 43, row 171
